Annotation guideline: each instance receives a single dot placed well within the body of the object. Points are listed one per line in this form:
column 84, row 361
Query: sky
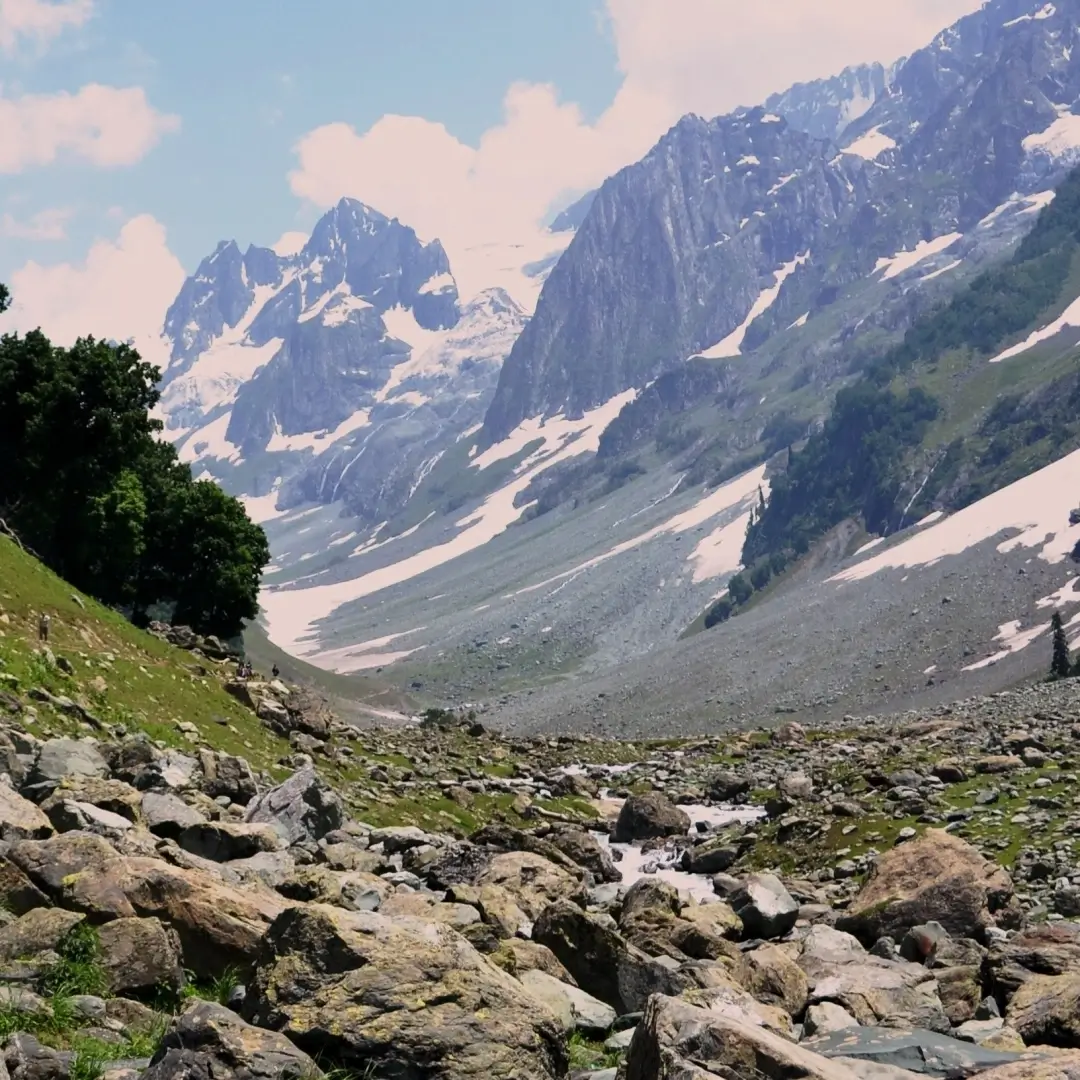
column 136, row 134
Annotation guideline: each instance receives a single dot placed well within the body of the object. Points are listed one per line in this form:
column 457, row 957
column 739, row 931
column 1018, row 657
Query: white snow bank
column 261, row 508
column 871, row 145
column 732, row 344
column 1060, row 140
column 314, row 440
column 1069, row 317
column 896, row 264
column 717, row 553
column 292, row 613
column 1037, row 506
column 368, row 654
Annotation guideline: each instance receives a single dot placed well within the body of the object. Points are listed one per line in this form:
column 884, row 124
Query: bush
column 720, row 612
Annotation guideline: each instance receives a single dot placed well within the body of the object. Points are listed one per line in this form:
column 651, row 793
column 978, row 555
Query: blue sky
column 135, row 134
column 249, row 77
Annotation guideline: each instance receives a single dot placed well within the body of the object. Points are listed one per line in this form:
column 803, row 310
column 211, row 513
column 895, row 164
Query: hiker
column 275, row 671
column 43, row 627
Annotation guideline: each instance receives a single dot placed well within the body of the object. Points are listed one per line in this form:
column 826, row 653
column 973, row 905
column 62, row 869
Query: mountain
column 284, row 369
column 825, row 107
column 726, row 223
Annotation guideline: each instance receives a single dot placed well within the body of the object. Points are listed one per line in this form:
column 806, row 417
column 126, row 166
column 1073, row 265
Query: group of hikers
column 244, row 670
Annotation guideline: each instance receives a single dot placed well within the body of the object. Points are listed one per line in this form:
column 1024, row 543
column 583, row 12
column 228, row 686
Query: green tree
column 89, row 485
column 1060, row 666
column 219, row 555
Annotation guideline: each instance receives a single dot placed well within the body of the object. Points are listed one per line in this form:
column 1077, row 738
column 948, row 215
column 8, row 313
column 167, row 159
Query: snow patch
column 1060, row 141
column 896, row 264
column 1048, row 11
column 292, row 613
column 1069, row 317
column 732, row 344
column 871, row 145
column 440, row 283
column 1037, row 507
column 316, row 440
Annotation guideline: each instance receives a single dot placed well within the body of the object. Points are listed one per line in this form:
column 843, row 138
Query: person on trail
column 43, row 627
column 275, row 671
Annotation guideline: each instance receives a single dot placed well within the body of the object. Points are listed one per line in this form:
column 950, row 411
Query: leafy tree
column 739, row 589
column 1060, row 666
column 720, row 612
column 89, row 485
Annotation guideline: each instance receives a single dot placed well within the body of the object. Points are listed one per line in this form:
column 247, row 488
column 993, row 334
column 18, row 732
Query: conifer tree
column 1060, row 666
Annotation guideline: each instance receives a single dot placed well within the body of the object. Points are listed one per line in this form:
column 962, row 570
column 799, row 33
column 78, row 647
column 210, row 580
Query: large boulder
column 775, row 979
column 303, row 808
column 766, row 908
column 575, row 1009
column 140, row 956
column 37, row 931
column 601, row 961
column 168, row 815
column 59, row 758
column 20, row 819
column 587, row 852
column 212, row 1041
column 222, row 841
column 1046, row 1009
column 675, row 1039
column 876, row 991
column 398, row 996
column 937, row 877
column 648, row 816
column 219, row 926
column 1047, row 949
column 532, row 880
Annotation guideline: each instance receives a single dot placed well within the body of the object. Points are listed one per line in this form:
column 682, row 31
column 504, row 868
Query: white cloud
column 40, row 20
column 102, row 125
column 290, row 243
column 121, row 291
column 679, row 56
column 45, row 225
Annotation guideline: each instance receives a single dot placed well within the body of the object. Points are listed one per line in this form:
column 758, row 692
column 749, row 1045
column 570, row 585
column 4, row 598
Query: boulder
column 1048, row 949
column 113, row 796
column 58, row 758
column 400, row 997
column 602, row 961
column 876, row 991
column 219, row 926
column 222, row 841
column 516, row 955
column 20, row 819
column 726, row 787
column 937, row 877
column 1046, row 1009
column 775, row 979
column 37, row 931
column 576, row 1010
column 712, row 856
column 168, row 815
column 228, row 1047
column 302, row 808
column 586, row 851
column 925, row 1052
column 648, row 816
column 827, row 1017
column 67, row 814
column 766, row 908
column 674, row 1039
column 226, row 776
column 532, row 881
column 27, row 1059
column 140, row 956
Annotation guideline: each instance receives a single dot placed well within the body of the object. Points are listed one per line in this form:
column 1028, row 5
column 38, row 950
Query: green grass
column 588, row 1053
column 121, row 674
column 78, row 970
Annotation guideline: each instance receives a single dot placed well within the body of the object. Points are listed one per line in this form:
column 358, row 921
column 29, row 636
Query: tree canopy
column 89, row 485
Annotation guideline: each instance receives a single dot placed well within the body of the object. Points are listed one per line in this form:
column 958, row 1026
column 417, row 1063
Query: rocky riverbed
column 881, row 898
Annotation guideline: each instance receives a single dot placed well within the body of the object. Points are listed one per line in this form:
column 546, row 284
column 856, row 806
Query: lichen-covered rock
column 937, row 877
column 140, row 956
column 409, row 998
column 227, row 1046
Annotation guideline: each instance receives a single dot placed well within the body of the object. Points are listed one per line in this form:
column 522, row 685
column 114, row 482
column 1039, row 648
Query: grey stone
column 766, row 908
column 302, row 808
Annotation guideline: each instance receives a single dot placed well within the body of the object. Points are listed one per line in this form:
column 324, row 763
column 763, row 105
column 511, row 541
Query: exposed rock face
column 675, row 249
column 937, row 877
column 347, row 982
column 301, row 808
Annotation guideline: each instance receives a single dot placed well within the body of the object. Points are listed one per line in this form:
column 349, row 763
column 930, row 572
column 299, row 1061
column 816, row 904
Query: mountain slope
column 696, row 241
